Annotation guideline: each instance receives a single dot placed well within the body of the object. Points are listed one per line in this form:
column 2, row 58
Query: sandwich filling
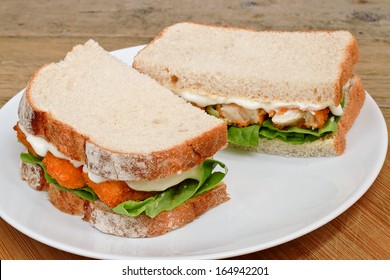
column 130, row 198
column 249, row 120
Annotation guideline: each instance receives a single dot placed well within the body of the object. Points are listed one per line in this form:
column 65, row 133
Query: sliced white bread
column 125, row 126
column 104, row 219
column 265, row 66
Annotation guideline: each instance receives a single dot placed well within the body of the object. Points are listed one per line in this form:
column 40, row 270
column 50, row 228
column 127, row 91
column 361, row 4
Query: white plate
column 273, row 199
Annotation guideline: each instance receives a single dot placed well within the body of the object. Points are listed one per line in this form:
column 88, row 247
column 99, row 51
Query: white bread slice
column 105, row 220
column 121, row 123
column 266, row 66
column 333, row 144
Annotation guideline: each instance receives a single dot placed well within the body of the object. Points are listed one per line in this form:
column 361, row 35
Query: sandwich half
column 283, row 93
column 112, row 145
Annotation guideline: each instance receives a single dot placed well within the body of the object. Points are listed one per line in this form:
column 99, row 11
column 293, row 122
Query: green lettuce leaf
column 249, row 136
column 244, row 136
column 174, row 196
column 84, row 192
column 297, row 135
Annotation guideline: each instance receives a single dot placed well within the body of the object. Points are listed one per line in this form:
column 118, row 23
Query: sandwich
column 112, row 145
column 283, row 93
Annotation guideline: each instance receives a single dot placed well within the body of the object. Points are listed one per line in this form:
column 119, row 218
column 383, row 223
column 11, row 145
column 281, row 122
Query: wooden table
column 33, row 33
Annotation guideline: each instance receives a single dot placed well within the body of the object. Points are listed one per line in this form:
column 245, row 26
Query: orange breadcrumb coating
column 113, row 193
column 64, row 172
column 320, row 117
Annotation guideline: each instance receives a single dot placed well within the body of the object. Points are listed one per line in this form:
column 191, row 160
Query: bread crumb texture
column 266, row 66
column 114, row 106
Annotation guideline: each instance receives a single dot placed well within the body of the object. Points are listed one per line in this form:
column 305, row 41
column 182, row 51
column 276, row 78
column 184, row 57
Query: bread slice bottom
column 332, row 145
column 104, row 219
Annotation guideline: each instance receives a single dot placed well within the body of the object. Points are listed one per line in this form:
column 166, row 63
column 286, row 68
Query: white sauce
column 212, row 99
column 94, row 177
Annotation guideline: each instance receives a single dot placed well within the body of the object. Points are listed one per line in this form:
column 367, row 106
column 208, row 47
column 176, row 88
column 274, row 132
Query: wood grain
column 33, row 33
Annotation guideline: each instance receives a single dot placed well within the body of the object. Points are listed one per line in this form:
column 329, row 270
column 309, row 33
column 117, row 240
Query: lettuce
column 249, row 136
column 244, row 136
column 85, row 192
column 174, row 196
column 152, row 206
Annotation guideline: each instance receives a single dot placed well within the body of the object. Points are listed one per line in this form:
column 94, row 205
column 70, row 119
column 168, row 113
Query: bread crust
column 331, row 145
column 33, row 175
column 353, row 104
column 346, row 68
column 115, row 165
column 66, row 202
column 157, row 164
column 104, row 219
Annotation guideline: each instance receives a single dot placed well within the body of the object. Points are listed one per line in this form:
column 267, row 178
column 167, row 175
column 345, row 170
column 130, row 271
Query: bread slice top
column 96, row 109
column 266, row 66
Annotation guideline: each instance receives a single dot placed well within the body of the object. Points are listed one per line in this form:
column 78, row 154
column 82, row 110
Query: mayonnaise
column 211, row 99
